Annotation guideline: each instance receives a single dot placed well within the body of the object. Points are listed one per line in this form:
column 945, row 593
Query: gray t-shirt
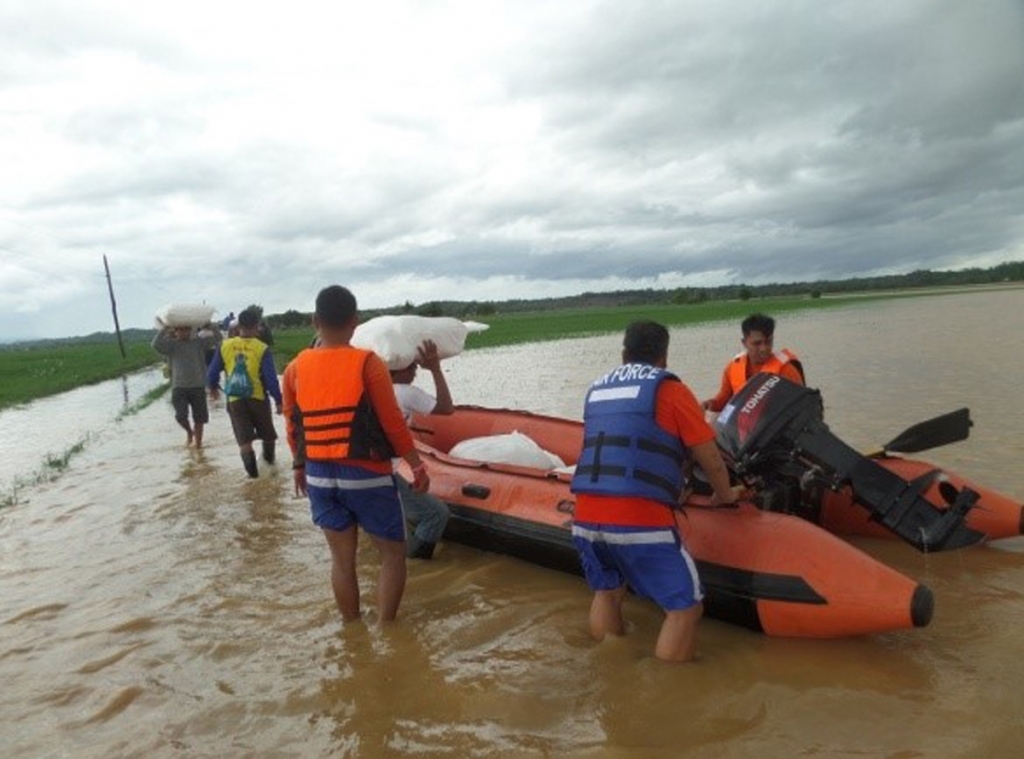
column 187, row 358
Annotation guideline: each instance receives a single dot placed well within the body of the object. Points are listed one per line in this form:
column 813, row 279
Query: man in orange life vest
column 344, row 426
column 757, row 356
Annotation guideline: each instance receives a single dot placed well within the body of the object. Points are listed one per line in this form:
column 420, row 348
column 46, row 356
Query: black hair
column 758, row 323
column 645, row 341
column 335, row 306
column 249, row 318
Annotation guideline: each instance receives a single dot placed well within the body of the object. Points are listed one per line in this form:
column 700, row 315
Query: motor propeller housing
column 773, row 436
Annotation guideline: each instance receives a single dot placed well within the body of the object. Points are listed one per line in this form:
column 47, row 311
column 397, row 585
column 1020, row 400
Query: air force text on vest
column 624, row 373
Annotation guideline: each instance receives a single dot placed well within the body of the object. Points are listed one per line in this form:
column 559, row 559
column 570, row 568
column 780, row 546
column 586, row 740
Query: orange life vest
column 738, row 367
column 333, row 416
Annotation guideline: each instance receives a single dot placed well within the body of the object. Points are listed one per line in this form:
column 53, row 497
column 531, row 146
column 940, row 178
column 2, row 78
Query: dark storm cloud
column 857, row 118
column 572, row 146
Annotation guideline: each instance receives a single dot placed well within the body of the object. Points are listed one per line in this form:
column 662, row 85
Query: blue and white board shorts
column 651, row 560
column 341, row 496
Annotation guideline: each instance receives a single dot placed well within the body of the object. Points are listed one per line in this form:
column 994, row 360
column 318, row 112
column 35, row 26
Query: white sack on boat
column 396, row 339
column 513, row 448
column 185, row 315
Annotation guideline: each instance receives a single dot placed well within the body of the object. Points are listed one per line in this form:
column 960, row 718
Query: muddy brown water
column 156, row 603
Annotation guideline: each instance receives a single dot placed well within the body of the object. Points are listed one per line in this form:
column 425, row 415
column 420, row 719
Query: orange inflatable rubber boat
column 993, row 514
column 771, row 572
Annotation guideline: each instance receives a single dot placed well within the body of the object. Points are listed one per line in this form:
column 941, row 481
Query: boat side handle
column 476, row 491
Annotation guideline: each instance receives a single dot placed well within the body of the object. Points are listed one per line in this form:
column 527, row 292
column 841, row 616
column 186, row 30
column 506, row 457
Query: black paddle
column 931, row 433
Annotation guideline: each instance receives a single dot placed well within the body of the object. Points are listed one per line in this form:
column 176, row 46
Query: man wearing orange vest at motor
column 344, row 426
column 757, row 356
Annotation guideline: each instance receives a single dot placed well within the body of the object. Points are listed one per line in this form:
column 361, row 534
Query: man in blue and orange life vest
column 641, row 429
column 757, row 356
column 344, row 426
column 250, row 414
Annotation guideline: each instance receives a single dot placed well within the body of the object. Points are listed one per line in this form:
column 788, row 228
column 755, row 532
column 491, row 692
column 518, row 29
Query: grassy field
column 509, row 329
column 534, row 326
column 30, row 373
column 35, row 372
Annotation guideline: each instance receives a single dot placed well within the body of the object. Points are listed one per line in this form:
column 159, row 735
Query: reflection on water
column 156, row 602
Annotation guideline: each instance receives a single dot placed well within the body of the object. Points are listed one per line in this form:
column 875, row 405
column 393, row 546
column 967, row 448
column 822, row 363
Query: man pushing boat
column 642, row 429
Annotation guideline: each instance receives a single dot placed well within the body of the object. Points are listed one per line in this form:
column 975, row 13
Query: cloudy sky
column 252, row 152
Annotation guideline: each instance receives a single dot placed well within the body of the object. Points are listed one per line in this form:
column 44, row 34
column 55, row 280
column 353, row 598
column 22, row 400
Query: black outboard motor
column 772, row 434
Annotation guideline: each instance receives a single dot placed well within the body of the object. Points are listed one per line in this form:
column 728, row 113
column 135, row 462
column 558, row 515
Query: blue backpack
column 238, row 384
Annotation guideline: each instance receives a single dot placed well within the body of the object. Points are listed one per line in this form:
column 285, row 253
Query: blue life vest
column 625, row 451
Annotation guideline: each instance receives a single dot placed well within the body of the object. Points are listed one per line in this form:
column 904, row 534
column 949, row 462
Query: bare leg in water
column 391, row 580
column 606, row 613
column 677, row 641
column 345, row 582
column 183, row 423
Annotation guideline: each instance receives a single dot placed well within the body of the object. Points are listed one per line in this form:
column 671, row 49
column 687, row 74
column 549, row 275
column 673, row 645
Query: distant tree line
column 461, row 309
column 923, row 278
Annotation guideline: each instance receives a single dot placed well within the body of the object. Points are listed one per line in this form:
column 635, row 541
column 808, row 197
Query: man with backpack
column 251, row 383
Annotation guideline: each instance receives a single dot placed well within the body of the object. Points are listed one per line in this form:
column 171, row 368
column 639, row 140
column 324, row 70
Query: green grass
column 53, row 466
column 288, row 343
column 511, row 329
column 148, row 399
column 534, row 326
column 37, row 372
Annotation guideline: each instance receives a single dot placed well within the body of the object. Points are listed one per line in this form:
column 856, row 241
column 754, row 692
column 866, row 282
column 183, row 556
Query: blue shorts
column 651, row 560
column 342, row 496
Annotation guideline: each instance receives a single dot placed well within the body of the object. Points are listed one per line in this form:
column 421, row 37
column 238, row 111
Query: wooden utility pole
column 113, row 307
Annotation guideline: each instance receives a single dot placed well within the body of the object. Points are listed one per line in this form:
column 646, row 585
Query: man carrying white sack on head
column 183, row 339
column 405, row 342
column 426, row 513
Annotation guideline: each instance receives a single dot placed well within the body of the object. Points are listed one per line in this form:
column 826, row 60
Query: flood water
column 155, row 602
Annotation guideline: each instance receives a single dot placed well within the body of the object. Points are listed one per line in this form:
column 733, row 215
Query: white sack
column 513, row 448
column 184, row 315
column 397, row 338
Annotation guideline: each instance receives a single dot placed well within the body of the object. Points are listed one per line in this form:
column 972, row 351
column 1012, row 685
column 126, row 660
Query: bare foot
column 188, row 443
